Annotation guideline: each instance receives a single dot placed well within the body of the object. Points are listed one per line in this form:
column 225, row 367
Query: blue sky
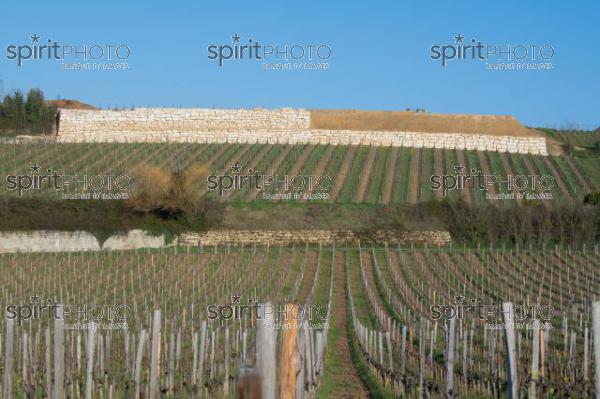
column 380, row 55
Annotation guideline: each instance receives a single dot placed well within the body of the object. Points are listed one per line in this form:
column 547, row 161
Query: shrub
column 169, row 194
column 150, row 188
column 592, row 198
column 567, row 149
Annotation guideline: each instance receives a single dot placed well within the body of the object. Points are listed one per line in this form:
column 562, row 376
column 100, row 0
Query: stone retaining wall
column 74, row 241
column 77, row 241
column 181, row 119
column 275, row 237
column 286, row 126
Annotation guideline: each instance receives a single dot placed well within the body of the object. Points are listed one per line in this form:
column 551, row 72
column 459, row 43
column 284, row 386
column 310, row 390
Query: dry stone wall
column 286, row 126
column 283, row 237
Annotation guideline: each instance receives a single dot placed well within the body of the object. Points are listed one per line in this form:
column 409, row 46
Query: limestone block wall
column 283, row 237
column 286, row 126
column 149, row 120
column 74, row 241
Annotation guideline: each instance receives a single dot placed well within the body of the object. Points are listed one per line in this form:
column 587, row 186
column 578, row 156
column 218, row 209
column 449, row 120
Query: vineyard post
column 403, row 353
column 450, row 358
column 300, row 359
column 127, row 351
column 389, row 349
column 542, row 351
column 465, row 347
column 596, row 330
column 155, row 355
column 194, row 357
column 509, row 335
column 379, row 339
column 48, row 364
column 59, row 354
column 586, row 354
column 226, row 347
column 8, row 359
column 287, row 367
column 535, row 360
column 78, row 352
column 266, row 351
column 24, row 361
column 422, row 335
column 202, row 353
column 309, row 357
column 171, row 361
column 138, row 362
column 244, row 339
column 89, row 385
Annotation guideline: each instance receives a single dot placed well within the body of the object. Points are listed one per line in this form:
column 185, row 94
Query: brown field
column 70, row 104
column 497, row 125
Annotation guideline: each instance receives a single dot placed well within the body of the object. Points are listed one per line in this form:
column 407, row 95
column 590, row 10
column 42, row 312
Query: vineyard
column 397, row 323
column 578, row 138
column 372, row 175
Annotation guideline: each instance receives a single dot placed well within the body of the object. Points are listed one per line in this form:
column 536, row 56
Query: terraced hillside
column 376, row 175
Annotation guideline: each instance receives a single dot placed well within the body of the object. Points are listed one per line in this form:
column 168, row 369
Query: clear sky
column 380, row 55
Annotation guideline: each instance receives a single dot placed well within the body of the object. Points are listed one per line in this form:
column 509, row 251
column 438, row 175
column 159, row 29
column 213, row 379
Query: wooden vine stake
column 8, row 359
column 89, row 384
column 287, row 366
column 155, row 355
column 266, row 361
column 450, row 359
column 596, row 331
column 535, row 361
column 59, row 354
column 511, row 349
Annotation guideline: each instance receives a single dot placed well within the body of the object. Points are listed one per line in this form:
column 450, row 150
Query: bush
column 592, row 198
column 567, row 149
column 169, row 194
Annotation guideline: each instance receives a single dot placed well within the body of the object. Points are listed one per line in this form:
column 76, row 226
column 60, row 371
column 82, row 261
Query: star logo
column 235, row 298
column 237, row 168
column 459, row 169
column 35, row 38
column 459, row 298
column 235, row 38
column 35, row 168
column 35, row 299
column 459, row 38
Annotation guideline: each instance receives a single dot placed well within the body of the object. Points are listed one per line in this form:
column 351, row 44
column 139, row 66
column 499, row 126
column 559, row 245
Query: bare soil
column 496, row 125
column 70, row 104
